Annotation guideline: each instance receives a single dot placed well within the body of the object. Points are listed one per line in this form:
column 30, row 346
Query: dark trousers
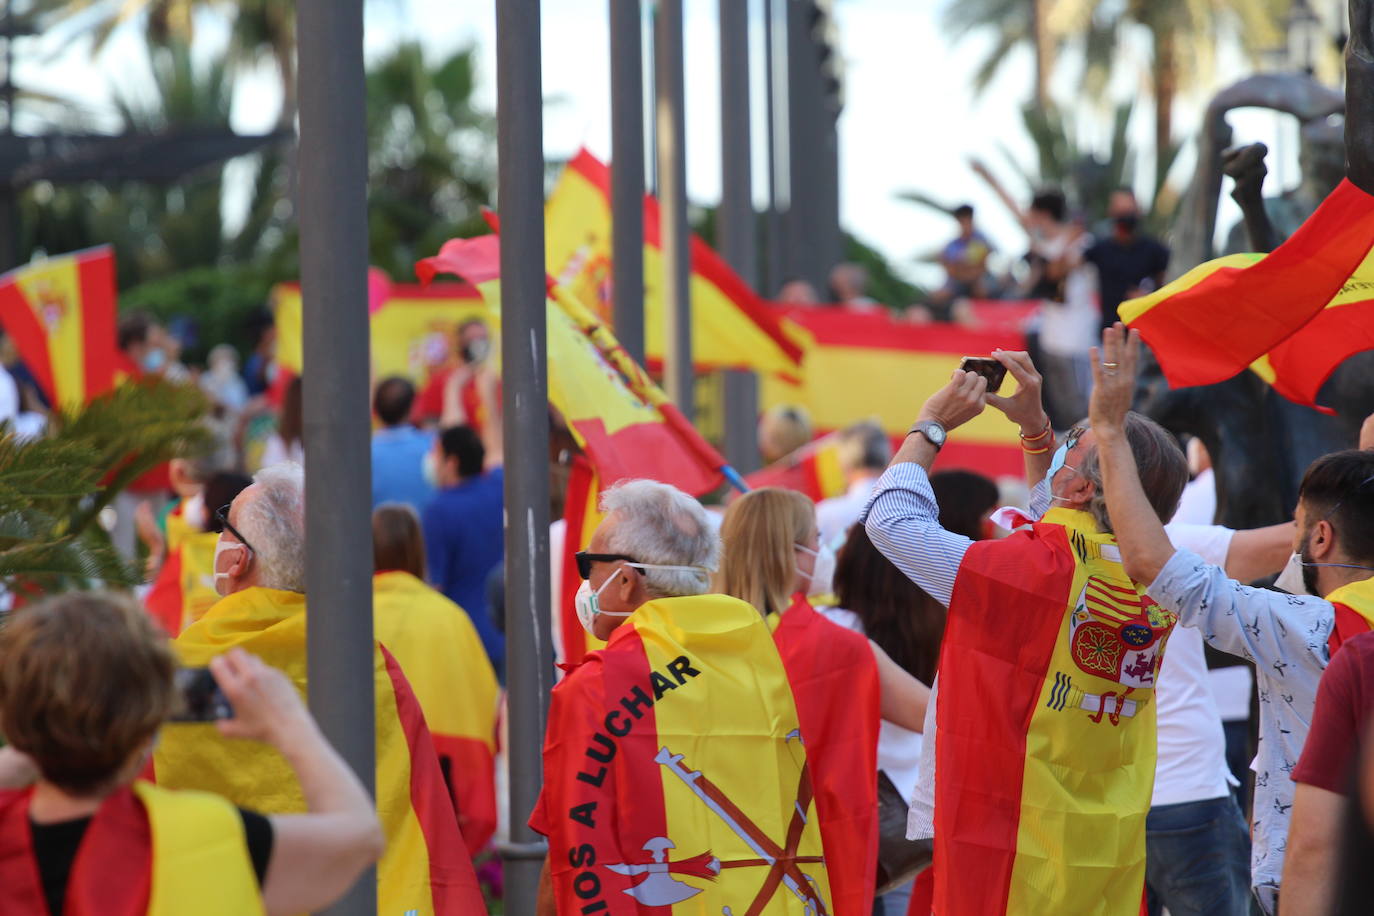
column 1197, row 859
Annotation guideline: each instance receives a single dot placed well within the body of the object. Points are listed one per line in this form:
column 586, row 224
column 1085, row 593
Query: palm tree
column 167, row 20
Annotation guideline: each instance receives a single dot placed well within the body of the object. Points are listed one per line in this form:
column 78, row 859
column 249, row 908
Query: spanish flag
column 437, row 647
column 146, row 850
column 61, row 314
column 581, row 515
column 814, row 469
column 1045, row 746
column 617, row 415
column 185, row 585
column 1354, row 604
column 411, row 328
column 426, row 869
column 835, row 685
column 1292, row 316
column 731, row 327
column 865, row 364
column 676, row 779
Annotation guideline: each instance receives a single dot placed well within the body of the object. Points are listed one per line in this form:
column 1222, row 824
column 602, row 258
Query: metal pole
column 735, row 220
column 338, row 458
column 672, row 177
column 525, row 411
column 627, row 176
column 773, row 230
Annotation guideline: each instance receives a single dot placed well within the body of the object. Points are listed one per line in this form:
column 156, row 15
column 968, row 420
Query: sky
column 910, row 118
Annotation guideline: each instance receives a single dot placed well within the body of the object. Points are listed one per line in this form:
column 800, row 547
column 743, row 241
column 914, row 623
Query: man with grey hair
column 260, row 575
column 690, row 686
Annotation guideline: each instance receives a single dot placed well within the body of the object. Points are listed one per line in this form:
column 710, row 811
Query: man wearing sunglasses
column 1044, row 731
column 1289, row 638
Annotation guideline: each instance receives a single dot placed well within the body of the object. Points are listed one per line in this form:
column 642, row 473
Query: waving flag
column 61, row 314
column 731, row 327
column 1292, row 316
column 814, row 469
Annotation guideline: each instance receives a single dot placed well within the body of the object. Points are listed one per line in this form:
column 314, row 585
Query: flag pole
column 735, row 220
column 333, row 252
column 524, row 380
column 627, row 175
column 672, row 176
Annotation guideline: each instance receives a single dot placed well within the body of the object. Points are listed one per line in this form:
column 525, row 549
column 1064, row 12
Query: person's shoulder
column 1357, row 652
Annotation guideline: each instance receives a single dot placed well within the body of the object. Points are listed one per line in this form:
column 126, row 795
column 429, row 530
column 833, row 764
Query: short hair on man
column 658, row 523
column 272, row 519
column 397, row 541
column 85, row 682
column 1340, row 488
column 392, row 399
column 1160, row 462
column 463, row 443
column 134, row 328
column 963, row 211
column 865, row 446
column 1051, row 202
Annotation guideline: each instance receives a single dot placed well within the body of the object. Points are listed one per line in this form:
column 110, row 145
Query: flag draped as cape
column 426, row 869
column 1045, row 747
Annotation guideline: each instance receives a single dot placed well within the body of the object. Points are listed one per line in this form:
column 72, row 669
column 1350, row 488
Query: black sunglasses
column 1071, row 439
column 585, row 561
column 222, row 516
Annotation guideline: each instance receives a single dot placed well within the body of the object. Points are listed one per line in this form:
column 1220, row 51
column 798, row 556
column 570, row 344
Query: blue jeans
column 894, row 902
column 1197, row 859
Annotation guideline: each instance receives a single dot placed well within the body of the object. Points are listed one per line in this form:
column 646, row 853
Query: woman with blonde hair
column 841, row 682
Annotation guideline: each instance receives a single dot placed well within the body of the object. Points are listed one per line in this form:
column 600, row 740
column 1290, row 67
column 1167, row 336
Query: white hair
column 273, row 521
column 660, row 524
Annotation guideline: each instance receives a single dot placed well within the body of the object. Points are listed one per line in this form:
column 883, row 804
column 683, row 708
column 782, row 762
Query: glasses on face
column 222, row 516
column 585, row 561
column 1072, row 438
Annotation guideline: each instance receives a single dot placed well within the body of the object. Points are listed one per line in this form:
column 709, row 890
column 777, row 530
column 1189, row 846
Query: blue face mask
column 1061, row 454
column 154, row 360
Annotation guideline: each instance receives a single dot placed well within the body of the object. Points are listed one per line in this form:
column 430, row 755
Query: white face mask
column 194, row 513
column 220, row 577
column 1290, row 580
column 588, row 602
column 429, row 467
column 822, row 570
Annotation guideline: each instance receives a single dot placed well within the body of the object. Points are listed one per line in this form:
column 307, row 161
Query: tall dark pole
column 525, row 412
column 338, row 458
column 773, row 223
column 627, row 175
column 672, row 178
column 811, row 226
column 735, row 222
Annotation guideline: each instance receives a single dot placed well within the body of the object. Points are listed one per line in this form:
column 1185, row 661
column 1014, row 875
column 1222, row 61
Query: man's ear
column 1321, row 543
column 239, row 567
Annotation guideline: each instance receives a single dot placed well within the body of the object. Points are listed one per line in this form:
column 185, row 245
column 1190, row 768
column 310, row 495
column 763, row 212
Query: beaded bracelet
column 1040, row 435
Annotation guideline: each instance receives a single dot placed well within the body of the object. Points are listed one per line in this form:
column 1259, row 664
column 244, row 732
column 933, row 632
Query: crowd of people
column 908, row 698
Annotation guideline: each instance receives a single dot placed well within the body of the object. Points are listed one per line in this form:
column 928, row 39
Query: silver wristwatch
column 932, row 430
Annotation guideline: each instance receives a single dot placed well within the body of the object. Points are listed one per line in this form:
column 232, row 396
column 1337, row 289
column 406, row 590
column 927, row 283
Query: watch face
column 934, row 433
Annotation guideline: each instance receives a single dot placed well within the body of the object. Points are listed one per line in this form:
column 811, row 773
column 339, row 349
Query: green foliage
column 52, row 489
column 220, row 300
column 884, row 284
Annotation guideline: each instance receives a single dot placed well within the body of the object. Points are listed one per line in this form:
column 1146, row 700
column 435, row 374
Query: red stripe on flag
column 452, row 881
column 843, row 327
column 471, row 775
column 1304, row 362
column 581, row 479
column 985, row 710
column 983, row 457
column 30, row 337
column 96, row 276
column 646, row 450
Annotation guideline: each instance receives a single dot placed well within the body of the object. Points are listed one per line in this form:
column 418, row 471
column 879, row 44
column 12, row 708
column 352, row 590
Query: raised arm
column 983, row 172
column 316, row 856
column 902, row 518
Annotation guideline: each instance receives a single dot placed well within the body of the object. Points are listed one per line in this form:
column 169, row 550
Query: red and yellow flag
column 61, row 314
column 860, row 365
column 185, row 585
column 426, row 869
column 1354, row 605
column 411, row 327
column 824, row 661
column 623, row 422
column 731, row 327
column 581, row 514
column 648, row 809
column 146, row 850
column 441, row 654
column 1292, row 315
column 814, row 469
column 1045, row 749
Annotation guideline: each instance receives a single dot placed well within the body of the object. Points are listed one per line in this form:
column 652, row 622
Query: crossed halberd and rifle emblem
column 658, row 887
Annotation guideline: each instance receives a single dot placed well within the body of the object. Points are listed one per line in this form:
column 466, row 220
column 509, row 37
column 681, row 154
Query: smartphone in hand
column 988, row 368
column 198, row 697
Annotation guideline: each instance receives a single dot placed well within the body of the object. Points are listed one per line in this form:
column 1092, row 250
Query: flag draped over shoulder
column 441, row 654
column 824, row 663
column 1045, row 749
column 1354, row 604
column 60, row 312
column 650, row 810
column 731, row 327
column 426, row 869
column 1292, row 315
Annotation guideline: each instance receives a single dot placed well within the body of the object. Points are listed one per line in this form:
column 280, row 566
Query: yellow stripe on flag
column 55, row 285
